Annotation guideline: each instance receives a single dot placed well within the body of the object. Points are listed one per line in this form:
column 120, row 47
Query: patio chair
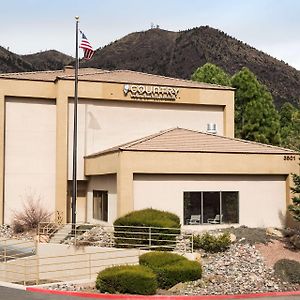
column 215, row 220
column 195, row 220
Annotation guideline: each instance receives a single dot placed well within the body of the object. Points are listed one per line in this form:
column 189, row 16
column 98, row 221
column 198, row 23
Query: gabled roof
column 185, row 140
column 114, row 76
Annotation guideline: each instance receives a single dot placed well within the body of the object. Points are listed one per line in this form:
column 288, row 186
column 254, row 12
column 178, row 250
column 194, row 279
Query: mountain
column 48, row 60
column 10, row 62
column 178, row 54
column 174, row 54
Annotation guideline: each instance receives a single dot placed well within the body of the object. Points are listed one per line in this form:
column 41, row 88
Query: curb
column 12, row 285
column 159, row 297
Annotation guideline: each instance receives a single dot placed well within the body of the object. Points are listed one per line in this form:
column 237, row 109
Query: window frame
column 202, row 206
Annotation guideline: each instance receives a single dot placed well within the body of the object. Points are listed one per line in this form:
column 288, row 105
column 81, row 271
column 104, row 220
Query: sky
column 30, row 26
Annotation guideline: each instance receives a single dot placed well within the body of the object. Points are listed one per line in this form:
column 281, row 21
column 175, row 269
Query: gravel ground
column 275, row 251
column 239, row 270
column 7, row 233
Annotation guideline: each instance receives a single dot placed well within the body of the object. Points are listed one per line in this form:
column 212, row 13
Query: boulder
column 232, row 238
column 295, row 240
column 177, row 287
column 274, row 232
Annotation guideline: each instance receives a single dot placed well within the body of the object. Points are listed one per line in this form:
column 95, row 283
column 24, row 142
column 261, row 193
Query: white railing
column 31, row 262
column 118, row 236
column 39, row 269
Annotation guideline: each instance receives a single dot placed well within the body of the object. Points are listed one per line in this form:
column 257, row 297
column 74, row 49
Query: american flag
column 86, row 46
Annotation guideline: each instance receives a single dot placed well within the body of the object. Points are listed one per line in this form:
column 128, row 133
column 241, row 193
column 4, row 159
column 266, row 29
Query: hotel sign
column 151, row 92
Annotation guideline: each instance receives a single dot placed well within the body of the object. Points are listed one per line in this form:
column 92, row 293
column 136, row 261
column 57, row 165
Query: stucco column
column 61, row 157
column 124, row 188
column 2, row 152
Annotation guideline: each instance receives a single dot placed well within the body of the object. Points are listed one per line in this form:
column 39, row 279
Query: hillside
column 174, row 54
column 48, row 60
column 10, row 62
column 178, row 54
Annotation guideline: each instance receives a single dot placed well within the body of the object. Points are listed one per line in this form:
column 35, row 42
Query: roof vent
column 211, row 128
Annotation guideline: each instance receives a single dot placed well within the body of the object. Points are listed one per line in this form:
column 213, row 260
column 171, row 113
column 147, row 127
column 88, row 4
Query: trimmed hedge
column 161, row 223
column 181, row 271
column 171, row 268
column 211, row 243
column 127, row 280
column 149, row 217
column 156, row 259
column 288, row 270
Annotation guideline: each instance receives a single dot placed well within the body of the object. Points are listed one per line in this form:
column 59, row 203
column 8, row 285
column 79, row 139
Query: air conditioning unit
column 211, row 128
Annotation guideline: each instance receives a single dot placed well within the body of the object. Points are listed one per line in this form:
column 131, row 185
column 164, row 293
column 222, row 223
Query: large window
column 100, row 205
column 210, row 207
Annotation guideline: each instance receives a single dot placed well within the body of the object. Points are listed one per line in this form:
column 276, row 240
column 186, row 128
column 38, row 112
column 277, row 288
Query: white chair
column 195, row 220
column 216, row 220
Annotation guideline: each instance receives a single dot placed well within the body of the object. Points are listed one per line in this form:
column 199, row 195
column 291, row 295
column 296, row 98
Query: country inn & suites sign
column 165, row 93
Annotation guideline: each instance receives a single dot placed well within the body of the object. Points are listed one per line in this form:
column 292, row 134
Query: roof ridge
column 132, row 143
column 146, row 138
column 128, row 146
column 101, row 71
column 238, row 139
column 172, row 78
column 30, row 72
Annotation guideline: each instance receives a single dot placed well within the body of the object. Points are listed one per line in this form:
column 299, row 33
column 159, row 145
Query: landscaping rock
column 177, row 287
column 232, row 237
column 238, row 270
column 274, row 232
column 7, row 233
column 295, row 240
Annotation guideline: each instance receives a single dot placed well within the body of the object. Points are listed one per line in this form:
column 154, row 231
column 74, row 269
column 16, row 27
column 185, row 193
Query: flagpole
column 74, row 178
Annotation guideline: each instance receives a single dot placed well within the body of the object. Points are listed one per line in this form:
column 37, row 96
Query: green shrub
column 127, row 280
column 163, row 236
column 156, row 259
column 171, row 268
column 211, row 243
column 181, row 271
column 288, row 270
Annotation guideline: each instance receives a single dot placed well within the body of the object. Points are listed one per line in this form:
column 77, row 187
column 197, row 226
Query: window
column 100, row 205
column 210, row 207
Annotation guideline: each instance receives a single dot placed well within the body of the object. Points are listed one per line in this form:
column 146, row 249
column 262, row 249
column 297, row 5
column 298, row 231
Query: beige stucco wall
column 105, row 124
column 261, row 198
column 105, row 183
column 135, row 162
column 61, row 91
column 65, row 262
column 56, row 262
column 30, row 154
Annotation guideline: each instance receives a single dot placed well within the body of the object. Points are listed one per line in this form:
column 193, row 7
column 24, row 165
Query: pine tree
column 211, row 73
column 295, row 207
column 256, row 117
column 290, row 126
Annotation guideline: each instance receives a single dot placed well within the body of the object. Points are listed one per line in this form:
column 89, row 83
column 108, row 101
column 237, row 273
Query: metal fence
column 11, row 249
column 63, row 258
column 37, row 269
column 148, row 238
